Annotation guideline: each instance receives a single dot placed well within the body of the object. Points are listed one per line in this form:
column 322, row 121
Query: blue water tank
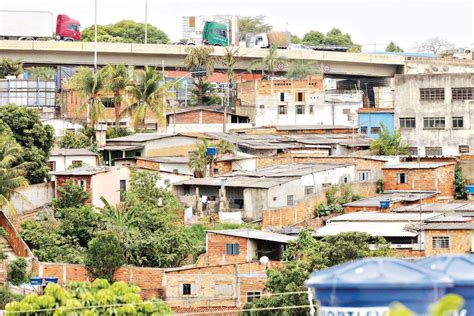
column 384, row 204
column 212, row 151
column 51, row 280
column 369, row 286
column 470, row 189
column 36, row 281
column 460, row 268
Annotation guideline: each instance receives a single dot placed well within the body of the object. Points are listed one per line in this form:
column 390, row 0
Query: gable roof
column 255, row 234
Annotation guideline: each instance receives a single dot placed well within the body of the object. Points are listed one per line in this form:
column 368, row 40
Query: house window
column 308, row 190
column 108, row 102
column 463, row 93
column 363, row 176
column 261, row 106
column 402, row 178
column 300, row 109
column 186, row 289
column 463, row 149
column 412, row 151
column 434, row 122
column 232, row 249
column 282, row 109
column 440, row 242
column 282, row 96
column 431, row 94
column 311, row 109
column 407, row 122
column 123, row 188
column 82, row 183
column 374, row 130
column 363, row 129
column 458, row 122
column 290, row 200
column 345, row 179
column 167, row 182
column 300, row 97
column 176, row 171
column 433, row 151
column 252, row 296
column 76, row 163
column 52, row 165
column 138, row 153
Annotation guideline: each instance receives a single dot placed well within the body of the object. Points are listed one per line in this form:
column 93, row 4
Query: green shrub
column 6, row 297
column 17, row 271
column 70, row 195
column 104, row 256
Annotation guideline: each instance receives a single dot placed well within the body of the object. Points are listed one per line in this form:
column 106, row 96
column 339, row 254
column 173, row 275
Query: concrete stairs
column 7, row 249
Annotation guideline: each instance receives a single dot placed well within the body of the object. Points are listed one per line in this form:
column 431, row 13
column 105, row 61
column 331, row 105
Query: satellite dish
column 264, row 260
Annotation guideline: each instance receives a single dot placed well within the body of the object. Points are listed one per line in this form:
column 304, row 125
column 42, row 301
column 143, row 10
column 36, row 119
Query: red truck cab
column 67, row 29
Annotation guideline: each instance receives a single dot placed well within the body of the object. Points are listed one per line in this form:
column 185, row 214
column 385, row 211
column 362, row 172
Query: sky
column 372, row 23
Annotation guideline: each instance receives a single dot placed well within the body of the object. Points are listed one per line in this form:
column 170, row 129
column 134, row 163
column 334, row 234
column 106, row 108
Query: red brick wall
column 198, row 117
column 146, row 164
column 61, row 180
column 441, row 179
column 216, row 249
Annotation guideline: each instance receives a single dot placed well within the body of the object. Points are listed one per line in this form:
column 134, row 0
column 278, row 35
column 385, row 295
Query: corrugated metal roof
column 382, row 217
column 72, row 152
column 290, row 170
column 138, row 137
column 255, row 234
column 421, row 165
column 447, row 219
column 238, row 182
column 391, row 229
column 167, row 159
column 120, row 147
column 437, row 207
column 446, row 226
column 393, row 196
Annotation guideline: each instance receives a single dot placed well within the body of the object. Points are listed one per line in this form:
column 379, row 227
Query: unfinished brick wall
column 198, row 117
column 146, row 164
column 304, row 209
column 435, row 179
column 216, row 249
column 16, row 242
column 460, row 241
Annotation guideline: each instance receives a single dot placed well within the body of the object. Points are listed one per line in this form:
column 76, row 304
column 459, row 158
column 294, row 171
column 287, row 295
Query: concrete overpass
column 82, row 53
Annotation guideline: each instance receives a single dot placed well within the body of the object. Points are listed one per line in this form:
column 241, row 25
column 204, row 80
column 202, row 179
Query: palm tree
column 204, row 93
column 43, row 73
column 89, row 85
column 11, row 177
column 270, row 62
column 117, row 80
column 225, row 147
column 229, row 60
column 198, row 159
column 200, row 57
column 300, row 69
column 149, row 93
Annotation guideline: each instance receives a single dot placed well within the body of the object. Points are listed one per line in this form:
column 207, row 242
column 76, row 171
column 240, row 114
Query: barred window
column 463, row 149
column 430, row 94
column 433, row 151
column 308, row 190
column 440, row 242
column 434, row 122
column 458, row 122
column 300, row 109
column 363, row 176
column 466, row 93
column 282, row 109
column 290, row 200
column 407, row 122
column 412, row 151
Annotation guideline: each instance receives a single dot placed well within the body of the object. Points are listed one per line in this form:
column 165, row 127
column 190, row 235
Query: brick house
column 426, row 176
column 243, row 245
column 102, row 181
column 449, row 236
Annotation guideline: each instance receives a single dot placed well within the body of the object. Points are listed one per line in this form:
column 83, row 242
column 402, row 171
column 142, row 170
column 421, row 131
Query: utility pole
column 146, row 21
column 95, row 35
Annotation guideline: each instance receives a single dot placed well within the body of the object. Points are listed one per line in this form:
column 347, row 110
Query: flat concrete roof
column 72, row 152
column 83, row 171
column 238, row 182
column 437, row 207
column 421, row 165
column 139, row 137
column 255, row 234
column 376, row 229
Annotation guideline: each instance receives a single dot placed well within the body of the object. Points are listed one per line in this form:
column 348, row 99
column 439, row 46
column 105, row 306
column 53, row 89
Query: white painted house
column 62, row 159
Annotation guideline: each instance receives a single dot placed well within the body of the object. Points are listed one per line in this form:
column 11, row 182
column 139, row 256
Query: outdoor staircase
column 8, row 251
